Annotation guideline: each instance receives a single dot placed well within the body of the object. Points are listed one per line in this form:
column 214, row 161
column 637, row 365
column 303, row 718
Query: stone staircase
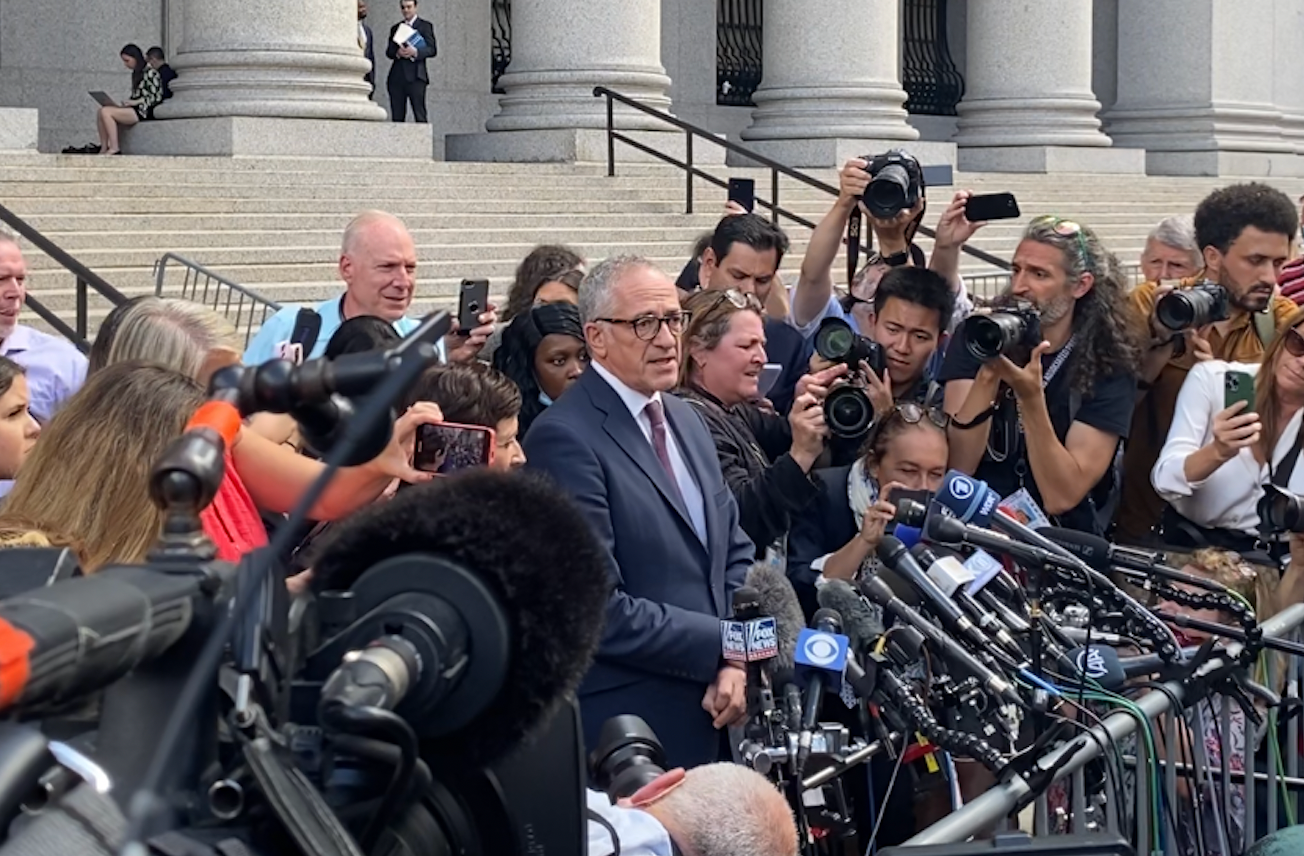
column 274, row 225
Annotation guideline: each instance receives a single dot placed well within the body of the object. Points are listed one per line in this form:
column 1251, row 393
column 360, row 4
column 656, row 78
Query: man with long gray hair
column 644, row 471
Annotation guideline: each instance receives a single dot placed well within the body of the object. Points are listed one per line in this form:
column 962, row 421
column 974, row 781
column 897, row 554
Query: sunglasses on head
column 1066, row 229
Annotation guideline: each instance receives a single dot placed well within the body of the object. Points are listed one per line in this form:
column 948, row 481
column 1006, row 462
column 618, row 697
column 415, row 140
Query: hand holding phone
column 1238, row 386
column 472, row 302
column 444, row 448
column 991, row 206
column 743, row 191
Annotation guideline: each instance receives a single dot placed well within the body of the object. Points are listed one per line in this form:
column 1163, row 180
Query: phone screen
column 769, row 376
column 446, row 448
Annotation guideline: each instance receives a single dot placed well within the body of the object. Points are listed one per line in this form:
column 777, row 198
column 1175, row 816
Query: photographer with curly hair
column 1050, row 421
column 1244, row 233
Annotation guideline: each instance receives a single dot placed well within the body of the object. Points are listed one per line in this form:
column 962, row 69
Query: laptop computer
column 104, row 99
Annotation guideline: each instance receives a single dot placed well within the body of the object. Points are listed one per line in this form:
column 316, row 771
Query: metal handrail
column 776, row 169
column 197, row 276
column 86, row 279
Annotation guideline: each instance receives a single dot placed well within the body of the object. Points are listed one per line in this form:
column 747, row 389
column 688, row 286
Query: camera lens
column 1181, row 310
column 848, row 412
column 628, row 756
column 835, row 341
column 1280, row 511
column 989, row 336
column 887, row 191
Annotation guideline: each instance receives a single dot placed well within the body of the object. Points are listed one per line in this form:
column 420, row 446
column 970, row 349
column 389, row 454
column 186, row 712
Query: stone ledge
column 250, row 136
column 1225, row 163
column 20, row 129
column 832, row 153
column 1053, row 159
column 574, row 145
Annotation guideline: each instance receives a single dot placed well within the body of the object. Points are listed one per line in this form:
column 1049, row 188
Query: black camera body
column 848, row 412
column 1202, row 304
column 1013, row 330
column 896, row 183
column 1280, row 511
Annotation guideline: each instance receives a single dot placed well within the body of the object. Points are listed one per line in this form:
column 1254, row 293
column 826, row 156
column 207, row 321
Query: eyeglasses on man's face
column 648, row 327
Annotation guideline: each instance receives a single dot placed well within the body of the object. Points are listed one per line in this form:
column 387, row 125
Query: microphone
column 862, row 626
column 1102, row 555
column 879, row 592
column 733, row 631
column 1099, row 663
column 821, row 651
column 777, row 598
column 967, row 499
column 507, row 559
column 950, row 568
column 950, row 531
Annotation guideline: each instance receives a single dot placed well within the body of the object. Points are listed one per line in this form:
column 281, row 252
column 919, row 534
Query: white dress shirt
column 1229, row 498
column 637, row 403
column 640, row 833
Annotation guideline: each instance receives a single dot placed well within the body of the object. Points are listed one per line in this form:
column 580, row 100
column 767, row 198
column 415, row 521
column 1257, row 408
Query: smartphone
column 770, row 373
column 743, row 191
column 471, row 303
column 445, row 448
column 991, row 206
column 1239, row 386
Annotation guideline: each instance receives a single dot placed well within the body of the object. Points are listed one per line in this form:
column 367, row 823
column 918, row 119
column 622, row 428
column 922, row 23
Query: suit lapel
column 677, row 414
column 619, row 424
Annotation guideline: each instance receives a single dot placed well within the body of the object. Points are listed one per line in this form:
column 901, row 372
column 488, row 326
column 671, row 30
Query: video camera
column 847, row 409
column 896, row 183
column 1202, row 304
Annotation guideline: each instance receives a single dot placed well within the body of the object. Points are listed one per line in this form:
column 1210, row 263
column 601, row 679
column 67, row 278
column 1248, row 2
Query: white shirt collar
column 633, row 399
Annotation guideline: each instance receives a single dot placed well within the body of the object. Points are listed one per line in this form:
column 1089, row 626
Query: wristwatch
column 896, row 259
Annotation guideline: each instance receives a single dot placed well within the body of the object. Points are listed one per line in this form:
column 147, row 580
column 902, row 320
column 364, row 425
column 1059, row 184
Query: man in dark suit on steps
column 643, row 469
column 408, row 77
column 368, row 44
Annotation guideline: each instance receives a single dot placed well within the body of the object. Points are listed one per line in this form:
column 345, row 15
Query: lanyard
column 1015, row 444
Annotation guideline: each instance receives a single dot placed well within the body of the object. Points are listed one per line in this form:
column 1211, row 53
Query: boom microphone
column 519, row 543
column 777, row 598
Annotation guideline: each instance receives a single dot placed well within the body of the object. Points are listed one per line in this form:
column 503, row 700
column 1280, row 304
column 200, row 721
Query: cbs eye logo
column 821, row 649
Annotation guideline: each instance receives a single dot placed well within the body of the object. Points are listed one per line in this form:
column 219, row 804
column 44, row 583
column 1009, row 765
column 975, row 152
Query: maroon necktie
column 657, row 417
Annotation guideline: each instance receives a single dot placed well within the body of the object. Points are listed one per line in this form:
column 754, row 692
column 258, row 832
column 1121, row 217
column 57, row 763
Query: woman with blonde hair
column 184, row 336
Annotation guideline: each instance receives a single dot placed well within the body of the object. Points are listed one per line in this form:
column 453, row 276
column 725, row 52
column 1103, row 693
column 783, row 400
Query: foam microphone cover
column 779, row 601
column 527, row 541
column 861, row 623
column 968, row 499
column 1100, row 663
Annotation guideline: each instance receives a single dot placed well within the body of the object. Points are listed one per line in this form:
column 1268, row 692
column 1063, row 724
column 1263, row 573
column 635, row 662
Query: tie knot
column 655, row 414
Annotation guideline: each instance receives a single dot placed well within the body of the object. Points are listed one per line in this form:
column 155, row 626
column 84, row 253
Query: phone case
column 991, row 206
column 472, row 301
column 1238, row 386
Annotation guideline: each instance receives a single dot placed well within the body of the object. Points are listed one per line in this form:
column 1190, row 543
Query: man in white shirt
column 713, row 810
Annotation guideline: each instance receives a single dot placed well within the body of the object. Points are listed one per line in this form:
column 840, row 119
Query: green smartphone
column 1239, row 386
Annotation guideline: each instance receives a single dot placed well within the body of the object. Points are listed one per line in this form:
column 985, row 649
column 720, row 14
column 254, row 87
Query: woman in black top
column 766, row 459
column 543, row 352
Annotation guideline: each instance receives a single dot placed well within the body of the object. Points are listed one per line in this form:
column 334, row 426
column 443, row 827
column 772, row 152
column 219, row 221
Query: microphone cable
column 146, row 801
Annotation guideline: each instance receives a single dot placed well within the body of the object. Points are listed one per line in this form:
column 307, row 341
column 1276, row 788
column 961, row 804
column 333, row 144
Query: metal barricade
column 245, row 308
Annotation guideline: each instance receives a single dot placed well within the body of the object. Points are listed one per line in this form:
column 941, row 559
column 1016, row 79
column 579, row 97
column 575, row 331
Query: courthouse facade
column 1199, row 87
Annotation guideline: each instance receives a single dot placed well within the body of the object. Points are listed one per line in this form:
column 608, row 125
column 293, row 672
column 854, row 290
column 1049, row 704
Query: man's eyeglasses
column 647, row 327
column 1066, row 229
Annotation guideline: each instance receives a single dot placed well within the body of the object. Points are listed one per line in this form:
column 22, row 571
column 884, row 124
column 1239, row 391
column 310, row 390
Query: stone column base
column 1052, row 159
column 257, row 136
column 826, row 153
column 19, row 129
column 575, row 145
column 1225, row 163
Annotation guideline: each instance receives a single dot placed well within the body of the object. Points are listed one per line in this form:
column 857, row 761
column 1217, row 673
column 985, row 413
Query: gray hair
column 9, row 236
column 596, row 290
column 1179, row 233
column 176, row 334
column 727, row 810
column 353, row 231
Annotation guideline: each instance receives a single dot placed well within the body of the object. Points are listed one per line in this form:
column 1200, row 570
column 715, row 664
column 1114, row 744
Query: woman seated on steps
column 146, row 94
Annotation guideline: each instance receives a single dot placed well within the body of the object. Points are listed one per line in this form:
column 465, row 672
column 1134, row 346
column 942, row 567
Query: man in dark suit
column 368, row 44
column 408, row 77
column 643, row 469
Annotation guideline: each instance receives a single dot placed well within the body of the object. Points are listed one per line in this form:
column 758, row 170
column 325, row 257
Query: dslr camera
column 1013, row 331
column 895, row 185
column 847, row 410
column 1279, row 512
column 628, row 757
column 1197, row 306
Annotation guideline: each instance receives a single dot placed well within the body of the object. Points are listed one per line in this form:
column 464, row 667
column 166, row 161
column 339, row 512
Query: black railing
column 933, row 84
column 86, row 280
column 500, row 41
column 737, row 52
column 201, row 285
column 692, row 132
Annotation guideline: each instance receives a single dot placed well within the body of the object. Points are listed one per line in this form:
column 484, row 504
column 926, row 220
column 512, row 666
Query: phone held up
column 445, row 448
column 991, row 206
column 472, row 301
column 743, row 191
column 1238, row 386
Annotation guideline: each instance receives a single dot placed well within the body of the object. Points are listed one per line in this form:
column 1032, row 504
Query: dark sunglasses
column 1294, row 343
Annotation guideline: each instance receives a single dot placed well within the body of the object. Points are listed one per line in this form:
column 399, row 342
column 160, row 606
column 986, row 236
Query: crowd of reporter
column 688, row 422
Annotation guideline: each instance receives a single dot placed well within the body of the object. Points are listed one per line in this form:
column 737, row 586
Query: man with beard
column 1244, row 233
column 1050, row 421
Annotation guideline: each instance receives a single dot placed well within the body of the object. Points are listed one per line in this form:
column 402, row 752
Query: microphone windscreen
column 779, row 601
column 529, row 544
column 909, row 535
column 1100, row 663
column 861, row 622
column 1091, row 549
column 968, row 499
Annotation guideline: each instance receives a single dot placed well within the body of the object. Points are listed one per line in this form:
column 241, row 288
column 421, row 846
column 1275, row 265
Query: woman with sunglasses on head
column 766, row 459
column 543, row 353
column 1217, row 459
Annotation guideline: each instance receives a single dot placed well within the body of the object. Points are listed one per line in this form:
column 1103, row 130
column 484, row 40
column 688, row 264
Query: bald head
column 378, row 263
column 726, row 810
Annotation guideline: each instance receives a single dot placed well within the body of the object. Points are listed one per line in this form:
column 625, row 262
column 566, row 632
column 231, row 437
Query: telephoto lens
column 1197, row 306
column 837, row 342
column 1005, row 332
column 895, row 185
column 628, row 757
column 1280, row 511
column 848, row 411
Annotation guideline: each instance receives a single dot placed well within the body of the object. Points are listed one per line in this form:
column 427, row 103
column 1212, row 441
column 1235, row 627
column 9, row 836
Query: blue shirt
column 640, row 833
column 277, row 330
column 55, row 368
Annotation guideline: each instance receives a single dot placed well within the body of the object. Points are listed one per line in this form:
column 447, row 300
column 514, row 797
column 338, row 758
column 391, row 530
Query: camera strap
column 1280, row 476
column 1011, row 429
column 853, row 245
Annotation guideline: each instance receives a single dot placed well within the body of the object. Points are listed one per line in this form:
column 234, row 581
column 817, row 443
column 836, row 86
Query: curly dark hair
column 1108, row 331
column 543, row 265
column 1223, row 215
